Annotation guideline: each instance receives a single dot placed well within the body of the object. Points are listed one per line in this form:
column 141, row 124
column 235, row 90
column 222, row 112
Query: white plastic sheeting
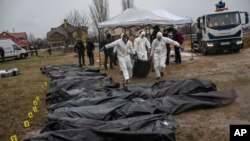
column 132, row 17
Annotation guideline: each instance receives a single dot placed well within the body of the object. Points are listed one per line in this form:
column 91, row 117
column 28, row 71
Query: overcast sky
column 38, row 16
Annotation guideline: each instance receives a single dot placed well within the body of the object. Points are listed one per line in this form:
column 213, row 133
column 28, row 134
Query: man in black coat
column 90, row 51
column 176, row 49
column 153, row 35
column 165, row 34
column 80, row 49
column 108, row 52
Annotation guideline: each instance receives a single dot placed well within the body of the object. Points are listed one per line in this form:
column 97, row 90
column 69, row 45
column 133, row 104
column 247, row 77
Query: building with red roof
column 20, row 35
column 20, row 38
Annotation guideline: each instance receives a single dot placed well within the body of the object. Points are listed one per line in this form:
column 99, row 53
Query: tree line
column 98, row 12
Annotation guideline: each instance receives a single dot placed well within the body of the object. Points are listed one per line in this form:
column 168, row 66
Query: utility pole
column 14, row 34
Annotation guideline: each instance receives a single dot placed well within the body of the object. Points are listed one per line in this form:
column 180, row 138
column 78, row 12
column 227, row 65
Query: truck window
column 223, row 20
column 202, row 22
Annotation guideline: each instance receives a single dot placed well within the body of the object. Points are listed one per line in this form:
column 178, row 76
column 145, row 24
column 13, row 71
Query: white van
column 11, row 49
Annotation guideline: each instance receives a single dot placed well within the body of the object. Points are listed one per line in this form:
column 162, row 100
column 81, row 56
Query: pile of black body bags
column 90, row 106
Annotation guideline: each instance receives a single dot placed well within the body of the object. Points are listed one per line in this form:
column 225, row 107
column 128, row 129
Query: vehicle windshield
column 223, row 20
column 16, row 47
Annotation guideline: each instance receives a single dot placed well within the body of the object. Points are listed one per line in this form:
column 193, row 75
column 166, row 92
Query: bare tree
column 126, row 4
column 77, row 18
column 31, row 37
column 99, row 12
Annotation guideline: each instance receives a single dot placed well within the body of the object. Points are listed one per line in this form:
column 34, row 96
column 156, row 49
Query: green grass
column 17, row 93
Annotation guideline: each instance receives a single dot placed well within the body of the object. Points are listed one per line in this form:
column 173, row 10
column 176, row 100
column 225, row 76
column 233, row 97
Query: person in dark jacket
column 90, row 51
column 35, row 50
column 49, row 50
column 176, row 49
column 220, row 4
column 80, row 49
column 108, row 52
column 2, row 53
column 153, row 35
column 32, row 50
column 165, row 34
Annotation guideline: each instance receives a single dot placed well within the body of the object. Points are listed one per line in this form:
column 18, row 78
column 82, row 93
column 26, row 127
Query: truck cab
column 220, row 31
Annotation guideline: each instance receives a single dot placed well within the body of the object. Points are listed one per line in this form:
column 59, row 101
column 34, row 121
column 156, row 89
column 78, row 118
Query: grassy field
column 17, row 93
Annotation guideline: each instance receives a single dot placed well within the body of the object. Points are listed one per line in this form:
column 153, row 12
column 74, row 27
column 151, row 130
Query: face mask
column 159, row 38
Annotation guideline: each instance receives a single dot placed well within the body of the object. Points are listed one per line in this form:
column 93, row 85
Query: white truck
column 220, row 31
column 11, row 49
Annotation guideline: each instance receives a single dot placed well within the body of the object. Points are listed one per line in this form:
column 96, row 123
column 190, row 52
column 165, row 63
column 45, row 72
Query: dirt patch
column 227, row 71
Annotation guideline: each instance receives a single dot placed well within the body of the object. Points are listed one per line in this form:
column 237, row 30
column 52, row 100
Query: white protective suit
column 114, row 50
column 123, row 54
column 159, row 52
column 140, row 44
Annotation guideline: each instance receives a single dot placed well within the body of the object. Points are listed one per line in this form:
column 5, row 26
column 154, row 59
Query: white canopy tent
column 133, row 17
column 136, row 17
column 171, row 17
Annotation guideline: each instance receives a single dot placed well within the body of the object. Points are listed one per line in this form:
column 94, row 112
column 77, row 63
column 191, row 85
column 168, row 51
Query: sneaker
column 124, row 86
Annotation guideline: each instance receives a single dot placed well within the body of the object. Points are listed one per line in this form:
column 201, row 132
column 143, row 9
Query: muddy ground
column 227, row 71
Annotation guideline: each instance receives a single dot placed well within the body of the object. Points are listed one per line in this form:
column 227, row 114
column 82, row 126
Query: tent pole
column 99, row 38
column 190, row 25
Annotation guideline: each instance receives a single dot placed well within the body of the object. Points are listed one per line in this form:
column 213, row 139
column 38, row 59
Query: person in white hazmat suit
column 159, row 53
column 114, row 50
column 124, row 48
column 141, row 43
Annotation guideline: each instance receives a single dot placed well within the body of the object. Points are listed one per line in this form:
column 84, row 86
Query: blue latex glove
column 181, row 48
column 102, row 49
column 135, row 56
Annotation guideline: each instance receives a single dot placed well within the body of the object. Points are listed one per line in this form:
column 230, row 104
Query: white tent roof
column 171, row 17
column 131, row 17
